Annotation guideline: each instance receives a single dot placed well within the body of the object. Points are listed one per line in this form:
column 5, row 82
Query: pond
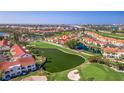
column 35, row 36
column 81, row 46
column 3, row 33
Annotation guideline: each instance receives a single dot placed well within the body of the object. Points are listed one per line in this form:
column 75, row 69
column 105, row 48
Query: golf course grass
column 87, row 72
column 99, row 72
column 67, row 50
column 90, row 72
column 112, row 35
column 60, row 61
column 64, row 60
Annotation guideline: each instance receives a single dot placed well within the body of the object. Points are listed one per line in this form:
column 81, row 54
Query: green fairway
column 56, row 46
column 64, row 60
column 60, row 60
column 95, row 72
column 100, row 72
column 112, row 35
column 48, row 45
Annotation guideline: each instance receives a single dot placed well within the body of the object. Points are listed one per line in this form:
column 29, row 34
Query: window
column 7, row 77
column 18, row 73
column 7, row 72
column 13, row 74
column 33, row 65
column 34, row 68
column 23, row 67
column 19, row 68
column 29, row 66
column 11, row 70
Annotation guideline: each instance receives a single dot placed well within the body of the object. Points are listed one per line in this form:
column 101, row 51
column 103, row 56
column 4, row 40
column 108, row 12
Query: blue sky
column 59, row 17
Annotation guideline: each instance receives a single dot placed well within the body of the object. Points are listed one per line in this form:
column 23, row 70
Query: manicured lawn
column 59, row 60
column 63, row 60
column 95, row 72
column 112, row 35
column 49, row 45
column 100, row 72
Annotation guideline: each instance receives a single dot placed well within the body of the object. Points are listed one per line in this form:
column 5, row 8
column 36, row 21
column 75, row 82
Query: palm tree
column 16, row 35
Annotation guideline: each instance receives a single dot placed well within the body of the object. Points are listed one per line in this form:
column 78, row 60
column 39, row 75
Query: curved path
column 69, row 49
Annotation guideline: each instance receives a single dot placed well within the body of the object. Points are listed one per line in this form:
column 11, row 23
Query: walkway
column 117, row 70
column 35, row 78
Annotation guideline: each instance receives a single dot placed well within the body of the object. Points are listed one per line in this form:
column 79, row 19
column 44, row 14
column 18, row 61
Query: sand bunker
column 74, row 75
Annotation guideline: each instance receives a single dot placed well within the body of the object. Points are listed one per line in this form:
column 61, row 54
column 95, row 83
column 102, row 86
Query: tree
column 95, row 59
column 100, row 60
column 114, row 32
column 97, row 30
column 120, row 66
column 72, row 44
column 16, row 36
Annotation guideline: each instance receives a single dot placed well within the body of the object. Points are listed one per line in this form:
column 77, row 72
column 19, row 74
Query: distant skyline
column 62, row 17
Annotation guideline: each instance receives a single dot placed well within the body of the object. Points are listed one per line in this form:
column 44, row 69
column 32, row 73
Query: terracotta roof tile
column 3, row 43
column 110, row 50
column 17, row 50
column 7, row 65
column 26, row 61
column 22, row 62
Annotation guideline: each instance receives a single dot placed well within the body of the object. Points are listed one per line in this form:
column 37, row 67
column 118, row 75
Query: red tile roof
column 64, row 37
column 99, row 42
column 26, row 61
column 3, row 43
column 121, row 50
column 89, row 39
column 6, row 65
column 94, row 41
column 17, row 50
column 22, row 62
column 113, row 50
column 108, row 39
